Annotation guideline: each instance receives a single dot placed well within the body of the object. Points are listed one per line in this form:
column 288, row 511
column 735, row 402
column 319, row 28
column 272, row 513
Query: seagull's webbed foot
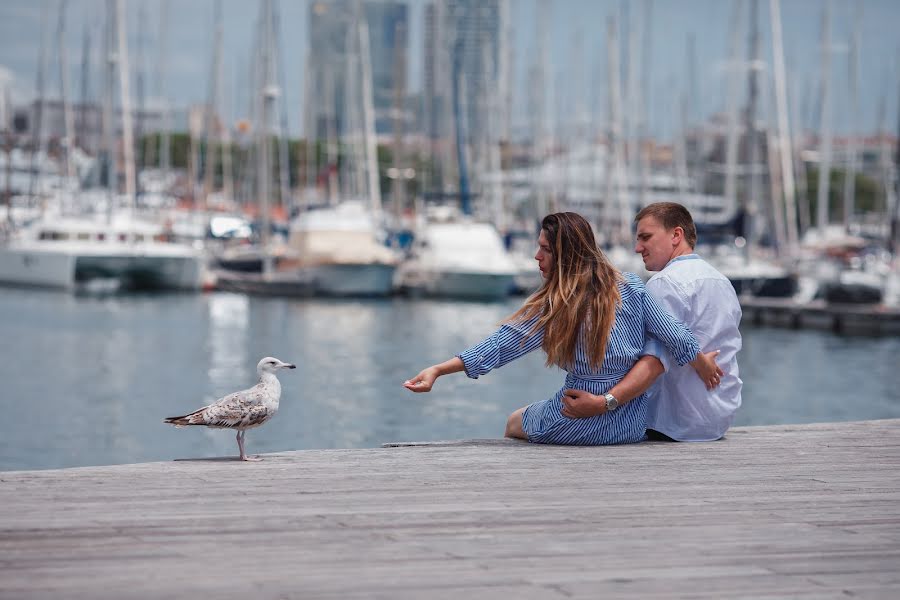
column 251, row 459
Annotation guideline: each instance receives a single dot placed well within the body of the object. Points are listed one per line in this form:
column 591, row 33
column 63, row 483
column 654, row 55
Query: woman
column 590, row 320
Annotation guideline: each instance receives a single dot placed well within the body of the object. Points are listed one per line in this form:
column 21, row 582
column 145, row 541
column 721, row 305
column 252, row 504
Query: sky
column 576, row 30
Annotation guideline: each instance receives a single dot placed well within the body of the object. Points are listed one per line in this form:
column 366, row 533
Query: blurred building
column 463, row 41
column 49, row 115
column 334, row 63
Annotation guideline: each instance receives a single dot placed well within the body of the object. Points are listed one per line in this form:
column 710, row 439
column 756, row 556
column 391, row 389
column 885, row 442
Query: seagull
column 242, row 410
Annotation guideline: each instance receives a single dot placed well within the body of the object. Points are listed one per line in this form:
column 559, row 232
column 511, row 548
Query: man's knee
column 514, row 425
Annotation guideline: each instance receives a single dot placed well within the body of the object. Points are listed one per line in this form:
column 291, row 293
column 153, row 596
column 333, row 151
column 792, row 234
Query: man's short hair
column 671, row 215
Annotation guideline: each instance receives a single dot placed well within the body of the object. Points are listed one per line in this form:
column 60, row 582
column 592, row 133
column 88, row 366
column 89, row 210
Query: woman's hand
column 707, row 369
column 423, row 381
column 578, row 404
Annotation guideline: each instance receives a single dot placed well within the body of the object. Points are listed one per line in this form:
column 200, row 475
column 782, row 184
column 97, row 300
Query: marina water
column 87, row 380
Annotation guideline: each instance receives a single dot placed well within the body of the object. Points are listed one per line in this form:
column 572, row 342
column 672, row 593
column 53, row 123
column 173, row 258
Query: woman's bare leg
column 514, row 425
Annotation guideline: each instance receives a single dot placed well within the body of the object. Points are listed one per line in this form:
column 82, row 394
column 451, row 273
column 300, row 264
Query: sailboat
column 335, row 250
column 457, row 258
column 341, row 250
column 68, row 251
column 452, row 254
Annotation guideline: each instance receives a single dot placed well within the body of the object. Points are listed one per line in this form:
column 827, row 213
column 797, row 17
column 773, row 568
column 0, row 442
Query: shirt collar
column 691, row 256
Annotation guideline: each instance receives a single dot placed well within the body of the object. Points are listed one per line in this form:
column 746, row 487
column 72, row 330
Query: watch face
column 611, row 402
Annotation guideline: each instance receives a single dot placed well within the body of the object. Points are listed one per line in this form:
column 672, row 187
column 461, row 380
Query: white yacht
column 342, row 250
column 67, row 252
column 458, row 259
column 753, row 275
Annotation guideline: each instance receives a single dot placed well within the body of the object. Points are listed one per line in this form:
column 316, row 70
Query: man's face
column 655, row 245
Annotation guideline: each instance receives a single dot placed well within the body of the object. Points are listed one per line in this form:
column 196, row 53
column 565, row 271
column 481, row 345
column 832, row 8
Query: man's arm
column 671, row 299
column 578, row 404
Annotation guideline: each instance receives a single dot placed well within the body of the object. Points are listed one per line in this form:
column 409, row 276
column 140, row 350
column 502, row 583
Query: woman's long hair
column 579, row 296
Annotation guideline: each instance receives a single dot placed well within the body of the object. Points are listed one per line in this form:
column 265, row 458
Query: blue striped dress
column 543, row 422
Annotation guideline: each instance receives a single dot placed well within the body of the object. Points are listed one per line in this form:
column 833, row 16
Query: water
column 87, row 381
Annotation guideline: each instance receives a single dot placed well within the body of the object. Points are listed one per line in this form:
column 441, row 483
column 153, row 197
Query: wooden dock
column 853, row 319
column 801, row 511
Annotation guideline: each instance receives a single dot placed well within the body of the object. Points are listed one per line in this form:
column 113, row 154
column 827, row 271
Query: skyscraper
column 388, row 35
column 464, row 74
column 334, row 61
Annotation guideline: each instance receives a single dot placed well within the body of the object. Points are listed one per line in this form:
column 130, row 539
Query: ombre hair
column 578, row 297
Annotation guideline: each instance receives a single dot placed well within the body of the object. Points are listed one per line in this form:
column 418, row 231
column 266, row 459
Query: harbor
column 431, row 181
column 817, row 314
column 355, row 188
column 780, row 511
column 90, row 379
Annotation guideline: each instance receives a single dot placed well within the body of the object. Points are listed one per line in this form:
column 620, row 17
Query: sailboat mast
column 753, row 202
column 365, row 58
column 140, row 77
column 212, row 106
column 505, row 69
column 894, row 195
column 6, row 127
column 784, row 131
column 398, row 182
column 852, row 158
column 284, row 173
column 615, row 197
column 306, row 176
column 731, row 146
column 458, row 82
column 825, row 124
column 37, row 143
column 225, row 145
column 81, row 134
column 644, row 92
column 68, row 117
column 127, row 133
column 164, row 150
column 267, row 93
column 112, row 176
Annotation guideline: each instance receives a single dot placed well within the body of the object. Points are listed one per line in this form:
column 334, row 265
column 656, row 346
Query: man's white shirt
column 703, row 299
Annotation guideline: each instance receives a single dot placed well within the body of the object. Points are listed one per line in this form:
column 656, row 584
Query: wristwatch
column 611, row 402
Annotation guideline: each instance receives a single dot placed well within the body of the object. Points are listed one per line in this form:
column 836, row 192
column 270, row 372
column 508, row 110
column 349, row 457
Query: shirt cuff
column 653, row 347
column 474, row 359
column 690, row 353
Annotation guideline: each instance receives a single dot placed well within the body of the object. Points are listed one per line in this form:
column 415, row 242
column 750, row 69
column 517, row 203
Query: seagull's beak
column 288, row 366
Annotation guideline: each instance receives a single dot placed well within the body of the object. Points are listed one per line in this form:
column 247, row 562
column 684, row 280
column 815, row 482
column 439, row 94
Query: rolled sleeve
column 506, row 344
column 474, row 359
column 654, row 347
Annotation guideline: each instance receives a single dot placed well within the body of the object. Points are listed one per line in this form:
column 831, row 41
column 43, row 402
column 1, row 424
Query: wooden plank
column 795, row 510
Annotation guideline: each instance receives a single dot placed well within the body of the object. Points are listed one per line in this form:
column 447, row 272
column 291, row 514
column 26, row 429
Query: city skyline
column 579, row 78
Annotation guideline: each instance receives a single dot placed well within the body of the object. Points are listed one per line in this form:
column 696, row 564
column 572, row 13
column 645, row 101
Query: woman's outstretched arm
column 424, row 381
column 506, row 344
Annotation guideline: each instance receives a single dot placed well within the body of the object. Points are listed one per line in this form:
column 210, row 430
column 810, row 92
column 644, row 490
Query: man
column 680, row 407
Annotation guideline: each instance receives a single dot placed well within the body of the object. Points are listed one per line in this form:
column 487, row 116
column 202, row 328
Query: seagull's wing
column 233, row 410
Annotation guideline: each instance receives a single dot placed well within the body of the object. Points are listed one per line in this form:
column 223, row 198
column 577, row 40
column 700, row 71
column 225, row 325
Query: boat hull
column 65, row 269
column 35, row 268
column 459, row 284
column 345, row 280
column 290, row 284
column 142, row 272
column 354, row 279
column 765, row 287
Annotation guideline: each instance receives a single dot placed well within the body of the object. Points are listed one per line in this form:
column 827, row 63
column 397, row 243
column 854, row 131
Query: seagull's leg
column 240, row 441
column 244, row 457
